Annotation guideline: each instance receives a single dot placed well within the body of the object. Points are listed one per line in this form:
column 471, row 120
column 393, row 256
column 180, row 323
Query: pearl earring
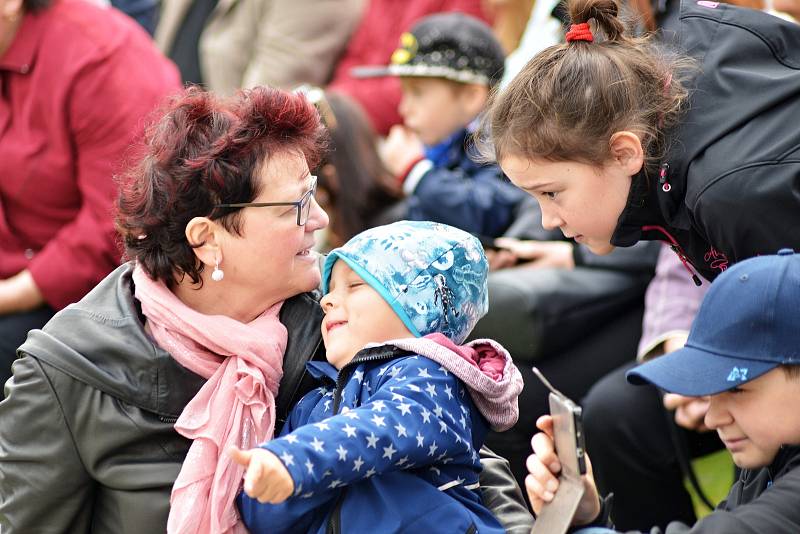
column 217, row 274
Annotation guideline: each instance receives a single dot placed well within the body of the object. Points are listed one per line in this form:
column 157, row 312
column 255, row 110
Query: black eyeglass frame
column 304, row 202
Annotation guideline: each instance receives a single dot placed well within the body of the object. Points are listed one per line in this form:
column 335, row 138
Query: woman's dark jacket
column 87, row 442
column 732, row 169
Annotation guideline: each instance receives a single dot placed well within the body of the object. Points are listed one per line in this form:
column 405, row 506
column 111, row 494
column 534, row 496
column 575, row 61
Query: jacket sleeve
column 413, row 418
column 482, row 202
column 44, row 486
column 751, row 212
column 501, row 494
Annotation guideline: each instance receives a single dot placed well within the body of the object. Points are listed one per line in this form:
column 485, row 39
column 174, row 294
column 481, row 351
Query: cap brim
column 697, row 372
column 420, row 71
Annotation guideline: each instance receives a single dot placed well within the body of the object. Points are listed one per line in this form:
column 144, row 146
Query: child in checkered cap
column 403, row 407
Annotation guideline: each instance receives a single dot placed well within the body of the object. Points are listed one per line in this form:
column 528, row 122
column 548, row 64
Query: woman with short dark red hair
column 120, row 412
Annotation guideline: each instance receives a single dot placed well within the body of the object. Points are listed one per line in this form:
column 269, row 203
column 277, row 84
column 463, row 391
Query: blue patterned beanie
column 431, row 274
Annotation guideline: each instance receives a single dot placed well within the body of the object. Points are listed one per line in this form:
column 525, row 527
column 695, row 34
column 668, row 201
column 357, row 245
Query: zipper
column 335, row 519
column 168, row 419
column 662, row 178
column 676, row 248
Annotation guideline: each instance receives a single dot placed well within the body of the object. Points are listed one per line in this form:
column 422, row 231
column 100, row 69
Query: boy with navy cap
column 447, row 64
column 743, row 352
column 389, row 441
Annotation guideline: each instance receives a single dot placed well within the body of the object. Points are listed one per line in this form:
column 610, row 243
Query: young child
column 447, row 65
column 389, row 441
column 743, row 351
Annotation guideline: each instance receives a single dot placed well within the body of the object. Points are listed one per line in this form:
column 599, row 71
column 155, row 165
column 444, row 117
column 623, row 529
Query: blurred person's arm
column 300, row 41
column 111, row 100
column 19, row 293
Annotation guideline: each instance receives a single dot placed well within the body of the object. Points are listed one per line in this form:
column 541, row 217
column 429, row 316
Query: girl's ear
column 626, row 151
column 203, row 235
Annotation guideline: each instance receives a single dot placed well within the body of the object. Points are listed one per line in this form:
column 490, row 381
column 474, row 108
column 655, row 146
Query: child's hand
column 542, row 479
column 266, row 478
column 401, row 148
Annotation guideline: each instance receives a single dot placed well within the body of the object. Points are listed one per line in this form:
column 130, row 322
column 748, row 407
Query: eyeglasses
column 303, row 206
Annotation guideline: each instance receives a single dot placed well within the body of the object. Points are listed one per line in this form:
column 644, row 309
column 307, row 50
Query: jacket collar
column 21, row 55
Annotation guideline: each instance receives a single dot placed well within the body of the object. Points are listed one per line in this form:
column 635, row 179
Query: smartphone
column 556, row 516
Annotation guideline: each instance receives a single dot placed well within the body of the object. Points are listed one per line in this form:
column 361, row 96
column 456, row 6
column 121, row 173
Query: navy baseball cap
column 747, row 325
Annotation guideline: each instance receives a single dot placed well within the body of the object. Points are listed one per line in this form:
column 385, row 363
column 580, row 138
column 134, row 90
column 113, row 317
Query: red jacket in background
column 76, row 87
column 375, row 38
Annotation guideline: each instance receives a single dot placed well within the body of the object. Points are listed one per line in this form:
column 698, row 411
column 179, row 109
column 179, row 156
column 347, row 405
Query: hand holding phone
column 560, row 450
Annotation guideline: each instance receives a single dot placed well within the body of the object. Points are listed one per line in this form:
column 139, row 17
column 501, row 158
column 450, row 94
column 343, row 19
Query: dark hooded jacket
column 762, row 501
column 731, row 183
column 87, row 442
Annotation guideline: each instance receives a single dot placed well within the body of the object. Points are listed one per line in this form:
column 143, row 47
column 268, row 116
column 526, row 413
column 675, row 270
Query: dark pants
column 635, row 449
column 13, row 331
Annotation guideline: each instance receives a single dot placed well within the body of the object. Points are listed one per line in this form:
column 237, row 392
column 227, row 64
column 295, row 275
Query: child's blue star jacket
column 389, row 443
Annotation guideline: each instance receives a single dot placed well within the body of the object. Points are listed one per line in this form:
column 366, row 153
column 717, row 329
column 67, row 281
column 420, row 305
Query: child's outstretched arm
column 265, row 479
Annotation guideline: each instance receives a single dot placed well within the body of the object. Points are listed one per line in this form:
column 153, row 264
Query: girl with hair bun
column 621, row 141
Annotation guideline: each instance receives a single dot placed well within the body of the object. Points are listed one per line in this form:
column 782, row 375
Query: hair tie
column 580, row 32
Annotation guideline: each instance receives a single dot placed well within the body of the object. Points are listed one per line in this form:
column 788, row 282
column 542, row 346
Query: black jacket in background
column 734, row 160
column 87, row 442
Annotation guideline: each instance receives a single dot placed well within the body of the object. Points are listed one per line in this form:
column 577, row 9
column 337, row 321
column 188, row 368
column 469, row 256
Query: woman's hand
column 540, row 254
column 542, row 480
column 266, row 478
column 19, row 294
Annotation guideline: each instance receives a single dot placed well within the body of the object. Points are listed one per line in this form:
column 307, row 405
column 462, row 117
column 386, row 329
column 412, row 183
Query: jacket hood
column 485, row 367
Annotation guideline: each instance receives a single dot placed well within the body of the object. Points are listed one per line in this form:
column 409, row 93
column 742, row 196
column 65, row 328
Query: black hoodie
column 733, row 163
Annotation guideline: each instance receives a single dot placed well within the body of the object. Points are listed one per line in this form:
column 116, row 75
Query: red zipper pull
column 662, row 178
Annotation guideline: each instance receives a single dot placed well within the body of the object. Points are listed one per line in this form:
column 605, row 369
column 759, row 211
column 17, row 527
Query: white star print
column 426, row 415
column 358, row 376
column 372, row 439
column 322, row 425
column 310, row 467
column 423, row 373
column 342, row 452
column 335, row 484
column 432, row 449
column 351, row 414
column 397, row 397
column 287, row 458
column 420, row 440
column 327, row 405
column 414, row 388
column 435, row 470
column 430, row 388
column 442, row 369
column 401, row 430
column 389, row 451
column 317, row 444
column 378, row 420
column 291, row 438
column 438, row 411
column 463, row 422
column 370, row 472
column 442, row 427
column 378, row 406
column 308, row 495
column 395, row 371
column 402, row 460
column 449, row 392
column 383, row 370
column 357, row 463
column 404, row 408
column 349, row 430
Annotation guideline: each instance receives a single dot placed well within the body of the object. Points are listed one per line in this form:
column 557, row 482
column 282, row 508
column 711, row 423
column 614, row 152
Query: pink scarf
column 236, row 406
